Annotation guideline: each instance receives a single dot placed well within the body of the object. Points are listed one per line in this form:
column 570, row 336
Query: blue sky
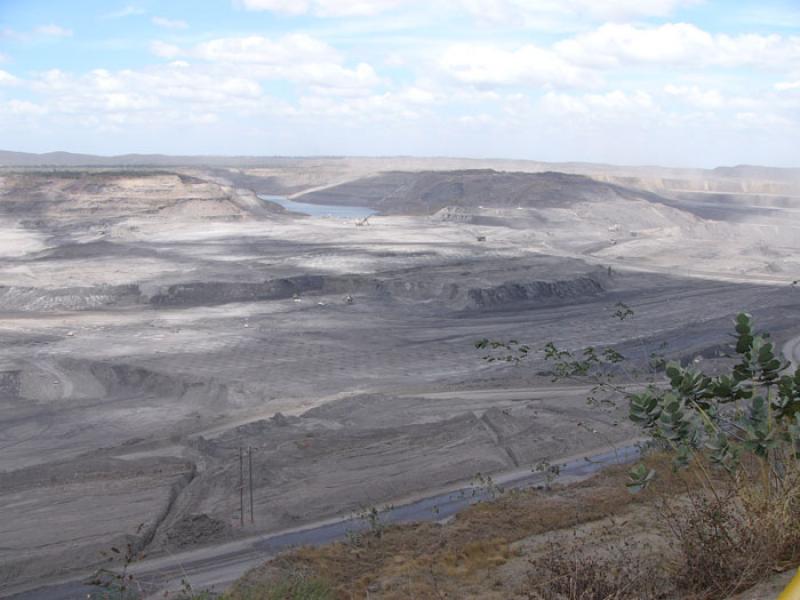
column 671, row 82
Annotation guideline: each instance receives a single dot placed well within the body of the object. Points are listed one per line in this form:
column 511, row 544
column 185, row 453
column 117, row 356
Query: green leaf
column 640, row 477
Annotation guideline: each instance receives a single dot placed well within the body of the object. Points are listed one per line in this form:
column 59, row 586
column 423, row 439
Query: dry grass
column 461, row 558
column 727, row 541
column 578, row 570
column 591, row 540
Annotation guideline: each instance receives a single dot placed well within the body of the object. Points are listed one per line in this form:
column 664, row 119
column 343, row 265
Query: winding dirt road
column 215, row 567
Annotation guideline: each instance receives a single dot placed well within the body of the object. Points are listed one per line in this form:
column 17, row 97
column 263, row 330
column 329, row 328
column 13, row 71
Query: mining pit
column 155, row 321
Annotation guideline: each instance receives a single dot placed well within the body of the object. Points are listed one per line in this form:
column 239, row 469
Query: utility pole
column 241, row 487
column 250, row 472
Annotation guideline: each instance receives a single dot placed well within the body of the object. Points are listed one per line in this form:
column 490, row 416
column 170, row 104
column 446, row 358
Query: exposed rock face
column 204, row 293
column 82, row 198
column 536, row 291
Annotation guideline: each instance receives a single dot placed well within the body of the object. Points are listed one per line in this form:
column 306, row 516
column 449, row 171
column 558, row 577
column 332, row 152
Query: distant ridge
column 69, row 159
column 756, row 172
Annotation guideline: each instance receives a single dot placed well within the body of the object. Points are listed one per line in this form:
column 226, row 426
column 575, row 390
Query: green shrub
column 736, row 436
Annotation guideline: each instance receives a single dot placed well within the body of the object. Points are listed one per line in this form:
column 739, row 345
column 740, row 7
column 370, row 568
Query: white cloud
column 6, row 33
column 682, row 44
column 628, row 9
column 361, row 8
column 53, row 30
column 616, row 102
column 335, row 79
column 129, row 10
column 7, row 78
column 204, row 118
column 169, row 23
column 480, row 120
column 49, row 30
column 759, row 120
column 700, row 98
column 394, row 107
column 23, row 108
column 787, row 85
column 517, row 12
column 290, row 7
column 417, row 95
column 587, row 59
column 325, row 8
column 298, row 58
column 553, row 14
column 292, row 48
column 172, row 91
column 527, row 65
column 164, row 50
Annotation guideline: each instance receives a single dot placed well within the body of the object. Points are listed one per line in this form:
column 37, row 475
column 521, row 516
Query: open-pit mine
column 165, row 323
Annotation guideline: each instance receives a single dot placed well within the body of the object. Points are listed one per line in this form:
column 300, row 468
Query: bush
column 735, row 436
column 740, row 433
column 578, row 571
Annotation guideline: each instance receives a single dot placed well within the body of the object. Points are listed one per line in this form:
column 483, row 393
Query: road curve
column 217, row 566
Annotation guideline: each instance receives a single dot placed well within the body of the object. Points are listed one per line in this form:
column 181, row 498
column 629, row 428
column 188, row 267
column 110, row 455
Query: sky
column 695, row 83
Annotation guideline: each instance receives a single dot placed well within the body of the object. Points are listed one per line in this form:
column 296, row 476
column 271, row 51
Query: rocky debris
column 196, row 530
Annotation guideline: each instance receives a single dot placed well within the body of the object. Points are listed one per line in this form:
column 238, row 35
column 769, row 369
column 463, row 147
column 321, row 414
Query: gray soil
column 155, row 322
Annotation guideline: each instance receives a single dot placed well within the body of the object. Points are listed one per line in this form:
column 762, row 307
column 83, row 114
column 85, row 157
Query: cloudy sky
column 671, row 82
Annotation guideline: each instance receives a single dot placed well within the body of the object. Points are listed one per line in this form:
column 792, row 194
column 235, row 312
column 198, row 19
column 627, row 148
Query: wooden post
column 250, row 471
column 241, row 487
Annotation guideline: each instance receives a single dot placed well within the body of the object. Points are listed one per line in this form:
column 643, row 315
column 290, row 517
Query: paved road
column 218, row 566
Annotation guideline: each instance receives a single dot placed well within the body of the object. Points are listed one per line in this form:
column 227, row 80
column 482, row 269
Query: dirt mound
column 28, row 299
column 194, row 530
column 120, row 380
column 81, row 379
column 430, row 191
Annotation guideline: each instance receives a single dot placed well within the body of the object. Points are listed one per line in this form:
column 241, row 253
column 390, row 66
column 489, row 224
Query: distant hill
column 756, row 172
column 382, row 164
column 430, row 191
column 69, row 159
